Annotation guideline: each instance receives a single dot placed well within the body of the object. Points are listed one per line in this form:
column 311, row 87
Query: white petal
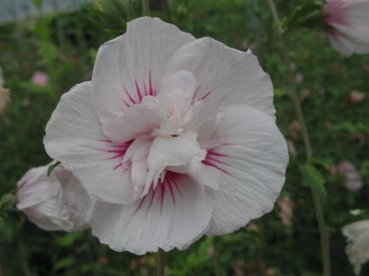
column 210, row 177
column 131, row 66
column 176, row 214
column 341, row 45
column 252, row 163
column 170, row 151
column 183, row 81
column 74, row 136
column 134, row 121
column 202, row 118
column 230, row 76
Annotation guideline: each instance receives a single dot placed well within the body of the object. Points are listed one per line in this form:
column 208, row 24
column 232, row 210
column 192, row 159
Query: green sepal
column 52, row 167
column 308, row 15
column 7, row 202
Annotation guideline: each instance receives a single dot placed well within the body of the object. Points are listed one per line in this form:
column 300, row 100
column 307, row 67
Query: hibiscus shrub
column 43, row 58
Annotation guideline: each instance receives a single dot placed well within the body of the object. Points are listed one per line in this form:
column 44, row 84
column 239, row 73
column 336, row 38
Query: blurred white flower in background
column 55, row 202
column 357, row 248
column 348, row 22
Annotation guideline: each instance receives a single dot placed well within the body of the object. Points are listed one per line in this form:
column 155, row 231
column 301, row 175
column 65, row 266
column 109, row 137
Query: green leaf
column 67, row 240
column 280, row 93
column 255, row 234
column 312, row 178
column 48, row 51
column 308, row 15
column 52, row 167
column 324, row 161
column 34, row 88
column 7, row 202
column 64, row 263
column 38, row 3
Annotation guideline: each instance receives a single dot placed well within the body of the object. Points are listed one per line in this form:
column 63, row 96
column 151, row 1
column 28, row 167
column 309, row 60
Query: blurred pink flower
column 299, row 78
column 291, row 147
column 57, row 202
column 356, row 96
column 5, row 100
column 286, row 206
column 349, row 25
column 40, row 79
column 353, row 177
column 172, row 136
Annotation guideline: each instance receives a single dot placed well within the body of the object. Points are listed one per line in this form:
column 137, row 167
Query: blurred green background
column 64, row 45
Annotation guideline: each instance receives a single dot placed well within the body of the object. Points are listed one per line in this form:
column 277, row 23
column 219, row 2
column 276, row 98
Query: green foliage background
column 65, row 45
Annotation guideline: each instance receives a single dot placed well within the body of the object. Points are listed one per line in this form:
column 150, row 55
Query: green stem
column 145, row 8
column 2, row 266
column 167, row 11
column 161, row 262
column 216, row 259
column 324, row 235
column 22, row 257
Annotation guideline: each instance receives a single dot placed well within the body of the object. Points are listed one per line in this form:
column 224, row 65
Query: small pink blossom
column 348, row 21
column 175, row 137
column 356, row 96
column 353, row 177
column 40, row 79
column 55, row 202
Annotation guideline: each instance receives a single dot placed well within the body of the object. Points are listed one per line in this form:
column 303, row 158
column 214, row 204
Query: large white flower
column 58, row 202
column 175, row 137
column 357, row 248
column 349, row 22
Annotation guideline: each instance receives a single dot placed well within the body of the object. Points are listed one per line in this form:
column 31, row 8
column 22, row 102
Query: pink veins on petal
column 212, row 159
column 139, row 93
column 117, row 150
column 169, row 187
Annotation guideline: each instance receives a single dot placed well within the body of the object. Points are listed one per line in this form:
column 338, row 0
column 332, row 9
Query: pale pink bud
column 57, row 202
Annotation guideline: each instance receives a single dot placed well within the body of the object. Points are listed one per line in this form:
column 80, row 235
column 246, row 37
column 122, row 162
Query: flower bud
column 57, row 202
column 5, row 100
